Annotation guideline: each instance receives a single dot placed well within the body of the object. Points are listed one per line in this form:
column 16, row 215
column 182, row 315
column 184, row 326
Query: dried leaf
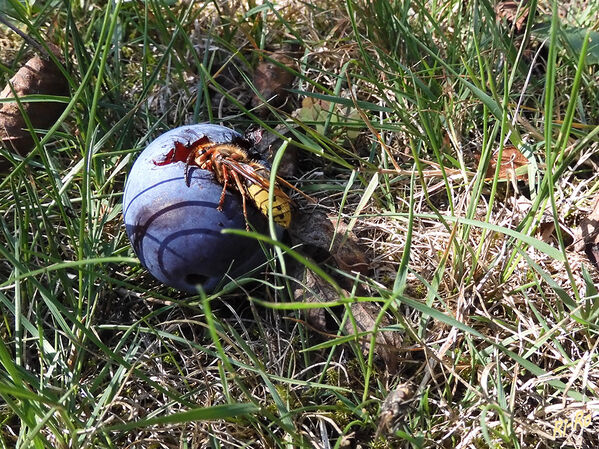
column 272, row 80
column 346, row 252
column 37, row 76
column 365, row 314
column 351, row 115
column 315, row 289
column 387, row 343
column 318, row 238
column 315, row 111
column 325, row 242
column 511, row 160
column 513, row 13
column 589, row 227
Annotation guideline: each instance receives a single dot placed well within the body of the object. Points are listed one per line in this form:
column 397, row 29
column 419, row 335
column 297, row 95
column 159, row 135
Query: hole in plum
column 195, row 279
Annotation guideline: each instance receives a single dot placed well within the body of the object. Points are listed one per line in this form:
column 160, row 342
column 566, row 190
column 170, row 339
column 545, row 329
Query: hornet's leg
column 243, row 193
column 221, row 202
column 222, row 175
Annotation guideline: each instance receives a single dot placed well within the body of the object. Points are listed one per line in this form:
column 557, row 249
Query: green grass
column 487, row 315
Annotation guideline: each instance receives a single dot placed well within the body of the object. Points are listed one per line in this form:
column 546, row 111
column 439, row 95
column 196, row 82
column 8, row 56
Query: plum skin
column 175, row 230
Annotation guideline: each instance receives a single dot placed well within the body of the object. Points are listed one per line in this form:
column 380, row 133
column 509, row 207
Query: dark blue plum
column 175, row 229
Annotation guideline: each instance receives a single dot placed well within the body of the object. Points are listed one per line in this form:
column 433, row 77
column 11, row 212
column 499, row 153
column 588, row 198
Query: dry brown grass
column 495, row 350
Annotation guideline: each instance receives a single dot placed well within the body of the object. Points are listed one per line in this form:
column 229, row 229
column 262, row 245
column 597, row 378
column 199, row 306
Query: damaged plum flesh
column 174, row 223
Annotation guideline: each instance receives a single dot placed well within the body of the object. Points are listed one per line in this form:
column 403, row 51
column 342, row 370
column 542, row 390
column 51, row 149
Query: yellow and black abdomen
column 281, row 204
